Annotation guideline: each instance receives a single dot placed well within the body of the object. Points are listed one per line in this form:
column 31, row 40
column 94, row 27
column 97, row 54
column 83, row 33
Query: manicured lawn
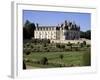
column 70, row 58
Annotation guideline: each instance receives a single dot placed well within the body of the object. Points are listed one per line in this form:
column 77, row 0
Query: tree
column 26, row 23
column 24, row 65
column 28, row 30
column 31, row 28
column 82, row 34
column 25, row 33
column 86, row 34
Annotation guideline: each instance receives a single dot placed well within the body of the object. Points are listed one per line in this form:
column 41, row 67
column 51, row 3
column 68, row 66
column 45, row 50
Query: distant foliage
column 86, row 34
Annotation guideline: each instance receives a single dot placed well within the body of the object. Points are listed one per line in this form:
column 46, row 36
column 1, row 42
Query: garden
column 40, row 53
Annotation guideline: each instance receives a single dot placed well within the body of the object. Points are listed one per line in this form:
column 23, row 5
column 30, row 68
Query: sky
column 54, row 18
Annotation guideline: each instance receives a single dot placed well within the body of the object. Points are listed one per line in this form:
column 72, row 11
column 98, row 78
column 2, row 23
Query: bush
column 45, row 45
column 31, row 47
column 69, row 44
column 67, row 48
column 61, row 56
column 84, row 42
column 76, row 48
column 62, row 46
column 78, row 43
column 27, row 44
column 45, row 40
column 58, row 45
column 28, row 52
column 88, row 45
column 81, row 45
column 40, row 41
column 44, row 61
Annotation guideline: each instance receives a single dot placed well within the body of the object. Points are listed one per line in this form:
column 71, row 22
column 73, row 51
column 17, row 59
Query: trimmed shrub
column 69, row 44
column 62, row 46
column 58, row 45
column 61, row 56
column 81, row 45
column 44, row 61
column 84, row 42
column 78, row 43
column 45, row 45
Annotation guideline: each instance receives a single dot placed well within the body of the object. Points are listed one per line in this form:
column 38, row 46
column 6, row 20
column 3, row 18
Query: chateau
column 65, row 31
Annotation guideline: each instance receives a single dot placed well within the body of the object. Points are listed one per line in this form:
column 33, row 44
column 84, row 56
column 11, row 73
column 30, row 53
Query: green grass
column 34, row 52
column 70, row 58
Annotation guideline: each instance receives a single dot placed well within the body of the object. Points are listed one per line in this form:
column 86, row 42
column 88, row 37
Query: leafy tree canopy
column 86, row 34
column 28, row 30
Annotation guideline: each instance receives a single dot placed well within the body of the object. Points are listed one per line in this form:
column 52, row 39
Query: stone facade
column 65, row 31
